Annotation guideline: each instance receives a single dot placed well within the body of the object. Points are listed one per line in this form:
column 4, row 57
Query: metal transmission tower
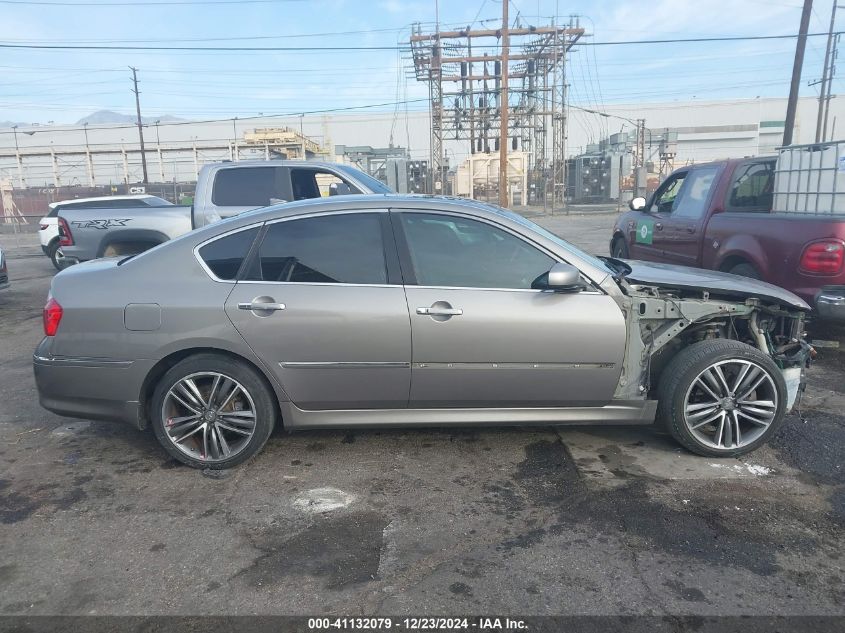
column 465, row 74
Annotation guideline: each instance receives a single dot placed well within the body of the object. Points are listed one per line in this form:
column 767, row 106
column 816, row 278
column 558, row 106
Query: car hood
column 667, row 275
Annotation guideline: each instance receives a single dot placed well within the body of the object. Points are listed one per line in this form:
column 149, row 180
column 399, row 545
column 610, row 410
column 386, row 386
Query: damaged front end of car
column 663, row 320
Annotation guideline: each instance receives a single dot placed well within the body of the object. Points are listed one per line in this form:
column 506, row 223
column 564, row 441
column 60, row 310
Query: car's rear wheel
column 55, row 254
column 209, row 411
column 620, row 249
column 721, row 398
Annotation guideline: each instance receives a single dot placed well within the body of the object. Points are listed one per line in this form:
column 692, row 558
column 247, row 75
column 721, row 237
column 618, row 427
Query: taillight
column 823, row 258
column 52, row 317
column 42, row 227
column 65, row 236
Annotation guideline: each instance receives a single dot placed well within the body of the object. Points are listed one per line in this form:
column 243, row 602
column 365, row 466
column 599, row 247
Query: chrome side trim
column 316, row 283
column 343, row 365
column 534, row 290
column 541, row 366
column 69, row 361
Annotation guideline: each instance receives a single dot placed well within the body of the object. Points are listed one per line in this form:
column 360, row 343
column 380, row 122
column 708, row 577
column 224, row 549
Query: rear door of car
column 323, row 306
column 482, row 337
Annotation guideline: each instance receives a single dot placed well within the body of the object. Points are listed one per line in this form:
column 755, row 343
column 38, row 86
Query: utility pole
column 830, row 73
column 792, row 105
column 824, row 91
column 21, row 181
column 503, row 113
column 140, row 124
column 89, row 161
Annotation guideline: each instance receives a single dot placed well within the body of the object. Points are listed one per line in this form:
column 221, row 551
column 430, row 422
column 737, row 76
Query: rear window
column 752, row 188
column 224, row 256
column 342, row 248
column 249, row 187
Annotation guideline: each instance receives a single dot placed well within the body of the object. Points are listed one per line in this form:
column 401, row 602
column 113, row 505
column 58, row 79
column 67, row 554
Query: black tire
column 620, row 249
column 53, row 253
column 677, row 379
column 258, row 390
column 745, row 270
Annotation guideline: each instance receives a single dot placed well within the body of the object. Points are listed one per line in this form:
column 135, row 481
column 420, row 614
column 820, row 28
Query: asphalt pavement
column 96, row 519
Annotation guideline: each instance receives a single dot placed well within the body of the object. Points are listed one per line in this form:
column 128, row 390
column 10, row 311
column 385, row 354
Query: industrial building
column 49, row 157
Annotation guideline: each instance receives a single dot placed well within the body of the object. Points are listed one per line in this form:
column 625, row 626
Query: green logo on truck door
column 645, row 231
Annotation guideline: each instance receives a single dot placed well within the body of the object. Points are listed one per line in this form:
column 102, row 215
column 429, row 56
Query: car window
column 225, row 255
column 752, row 188
column 453, row 251
column 665, row 198
column 691, row 201
column 375, row 186
column 340, row 248
column 315, row 183
column 248, row 186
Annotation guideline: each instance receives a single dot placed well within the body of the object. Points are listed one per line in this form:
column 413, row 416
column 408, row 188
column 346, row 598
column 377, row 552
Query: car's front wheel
column 721, row 398
column 209, row 411
column 620, row 249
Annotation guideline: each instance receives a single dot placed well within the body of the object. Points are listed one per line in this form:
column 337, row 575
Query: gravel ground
column 98, row 520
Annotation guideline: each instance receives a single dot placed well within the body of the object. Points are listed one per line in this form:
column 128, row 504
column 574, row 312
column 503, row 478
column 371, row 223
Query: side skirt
column 637, row 412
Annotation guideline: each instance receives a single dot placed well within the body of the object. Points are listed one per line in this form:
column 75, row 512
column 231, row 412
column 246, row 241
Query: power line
column 163, row 3
column 240, row 118
column 738, row 38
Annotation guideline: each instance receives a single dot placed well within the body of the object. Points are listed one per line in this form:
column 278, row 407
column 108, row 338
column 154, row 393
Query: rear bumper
column 90, row 388
column 830, row 303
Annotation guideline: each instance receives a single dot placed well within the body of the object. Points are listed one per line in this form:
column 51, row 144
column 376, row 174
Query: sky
column 62, row 86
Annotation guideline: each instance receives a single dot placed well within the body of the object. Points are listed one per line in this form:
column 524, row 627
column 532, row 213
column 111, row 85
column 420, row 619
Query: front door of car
column 483, row 338
column 323, row 306
column 680, row 234
column 648, row 239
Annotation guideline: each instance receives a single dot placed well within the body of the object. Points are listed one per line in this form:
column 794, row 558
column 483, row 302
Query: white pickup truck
column 223, row 190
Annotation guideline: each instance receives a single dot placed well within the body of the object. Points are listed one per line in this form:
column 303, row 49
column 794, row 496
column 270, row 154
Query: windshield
column 376, row 186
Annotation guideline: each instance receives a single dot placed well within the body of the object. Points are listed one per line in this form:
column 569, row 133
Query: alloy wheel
column 209, row 416
column 730, row 404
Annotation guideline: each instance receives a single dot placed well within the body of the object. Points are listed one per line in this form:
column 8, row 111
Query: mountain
column 105, row 117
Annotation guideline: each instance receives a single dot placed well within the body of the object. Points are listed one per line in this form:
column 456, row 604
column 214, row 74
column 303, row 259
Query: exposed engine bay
column 663, row 321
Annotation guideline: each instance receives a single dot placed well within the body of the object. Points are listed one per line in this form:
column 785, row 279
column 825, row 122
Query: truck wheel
column 745, row 270
column 620, row 249
column 209, row 411
column 721, row 398
column 55, row 254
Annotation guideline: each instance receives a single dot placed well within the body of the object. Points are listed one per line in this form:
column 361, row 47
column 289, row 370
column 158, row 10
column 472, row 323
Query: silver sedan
column 367, row 311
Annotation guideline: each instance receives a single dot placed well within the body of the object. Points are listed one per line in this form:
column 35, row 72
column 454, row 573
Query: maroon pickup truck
column 719, row 216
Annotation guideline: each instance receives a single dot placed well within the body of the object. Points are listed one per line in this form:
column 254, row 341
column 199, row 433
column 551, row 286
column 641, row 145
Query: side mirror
column 339, row 189
column 637, row 204
column 561, row 278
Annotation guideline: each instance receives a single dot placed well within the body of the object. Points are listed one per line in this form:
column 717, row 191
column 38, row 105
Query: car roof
column 281, row 162
column 728, row 162
column 139, row 196
column 370, row 201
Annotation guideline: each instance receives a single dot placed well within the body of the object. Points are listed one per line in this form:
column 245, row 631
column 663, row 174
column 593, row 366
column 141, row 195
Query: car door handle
column 690, row 229
column 440, row 311
column 261, row 305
